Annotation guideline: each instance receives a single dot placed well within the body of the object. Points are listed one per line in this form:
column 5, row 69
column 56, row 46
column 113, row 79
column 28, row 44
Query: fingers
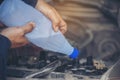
column 55, row 21
column 63, row 30
column 22, row 42
column 16, row 34
column 63, row 27
column 58, row 22
column 28, row 27
column 55, row 26
column 20, row 39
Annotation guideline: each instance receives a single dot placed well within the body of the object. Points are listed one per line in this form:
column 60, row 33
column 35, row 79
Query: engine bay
column 48, row 65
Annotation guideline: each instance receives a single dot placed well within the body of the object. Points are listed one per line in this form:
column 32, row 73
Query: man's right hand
column 17, row 34
column 57, row 22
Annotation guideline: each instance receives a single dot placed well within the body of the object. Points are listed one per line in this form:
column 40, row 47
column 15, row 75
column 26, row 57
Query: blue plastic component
column 74, row 54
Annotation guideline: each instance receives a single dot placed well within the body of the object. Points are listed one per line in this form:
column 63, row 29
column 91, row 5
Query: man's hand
column 17, row 34
column 52, row 14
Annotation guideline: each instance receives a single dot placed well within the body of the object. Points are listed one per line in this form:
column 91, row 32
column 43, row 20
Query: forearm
column 43, row 6
column 46, row 9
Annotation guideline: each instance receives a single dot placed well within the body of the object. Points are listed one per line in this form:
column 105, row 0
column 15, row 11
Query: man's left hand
column 57, row 21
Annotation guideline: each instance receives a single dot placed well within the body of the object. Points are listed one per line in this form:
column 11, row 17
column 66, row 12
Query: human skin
column 17, row 34
column 57, row 21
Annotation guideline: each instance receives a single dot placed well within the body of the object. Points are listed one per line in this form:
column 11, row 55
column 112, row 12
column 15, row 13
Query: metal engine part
column 50, row 66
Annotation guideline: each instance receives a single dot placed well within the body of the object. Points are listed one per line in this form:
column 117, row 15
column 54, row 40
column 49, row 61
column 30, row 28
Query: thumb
column 55, row 27
column 28, row 27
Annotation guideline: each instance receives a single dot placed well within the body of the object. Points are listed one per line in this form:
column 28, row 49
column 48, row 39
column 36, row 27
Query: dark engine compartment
column 48, row 65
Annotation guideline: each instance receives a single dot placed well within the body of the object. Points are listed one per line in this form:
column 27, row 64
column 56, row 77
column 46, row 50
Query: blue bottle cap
column 74, row 54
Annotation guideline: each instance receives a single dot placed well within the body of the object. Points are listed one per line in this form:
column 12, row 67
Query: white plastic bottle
column 18, row 13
